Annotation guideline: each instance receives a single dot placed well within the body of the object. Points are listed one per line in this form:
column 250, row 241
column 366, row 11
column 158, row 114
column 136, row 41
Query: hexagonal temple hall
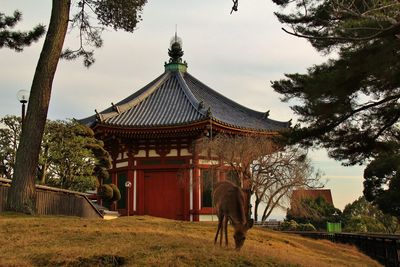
column 152, row 137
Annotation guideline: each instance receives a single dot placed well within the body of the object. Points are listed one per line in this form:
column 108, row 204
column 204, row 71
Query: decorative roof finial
column 175, row 51
column 176, row 32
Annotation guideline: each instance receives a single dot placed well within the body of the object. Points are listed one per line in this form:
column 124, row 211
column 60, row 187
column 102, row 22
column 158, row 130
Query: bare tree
column 264, row 169
column 275, row 175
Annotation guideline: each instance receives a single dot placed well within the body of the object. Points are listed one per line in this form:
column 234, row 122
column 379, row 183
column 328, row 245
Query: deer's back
column 229, row 200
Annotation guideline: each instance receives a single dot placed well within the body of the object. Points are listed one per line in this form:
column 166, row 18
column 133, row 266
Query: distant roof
column 313, row 194
column 176, row 98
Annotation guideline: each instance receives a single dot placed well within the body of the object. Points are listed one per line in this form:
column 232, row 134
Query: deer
column 230, row 205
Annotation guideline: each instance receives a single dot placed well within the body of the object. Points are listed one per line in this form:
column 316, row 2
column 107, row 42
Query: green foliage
column 292, row 225
column 330, row 24
column 118, row 14
column 362, row 216
column 109, row 192
column 66, row 157
column 289, row 225
column 116, row 193
column 306, row 227
column 382, row 183
column 105, row 191
column 349, row 104
column 9, row 140
column 84, row 183
column 71, row 157
column 17, row 40
column 316, row 211
column 363, row 224
column 103, row 159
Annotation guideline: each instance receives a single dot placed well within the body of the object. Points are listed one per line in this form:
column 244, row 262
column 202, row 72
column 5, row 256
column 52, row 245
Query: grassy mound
column 148, row 241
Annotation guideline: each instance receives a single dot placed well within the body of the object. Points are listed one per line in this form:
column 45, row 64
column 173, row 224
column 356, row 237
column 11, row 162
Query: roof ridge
column 121, row 108
column 223, row 97
column 190, row 96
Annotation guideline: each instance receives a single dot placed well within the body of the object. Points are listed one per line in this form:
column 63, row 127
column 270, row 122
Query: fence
column 55, row 201
column 383, row 248
column 272, row 224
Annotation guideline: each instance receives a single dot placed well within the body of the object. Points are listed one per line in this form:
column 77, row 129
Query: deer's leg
column 226, row 230
column 222, row 230
column 219, row 228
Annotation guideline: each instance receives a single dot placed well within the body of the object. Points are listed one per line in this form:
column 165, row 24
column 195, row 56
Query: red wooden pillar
column 196, row 193
column 140, row 192
column 186, row 195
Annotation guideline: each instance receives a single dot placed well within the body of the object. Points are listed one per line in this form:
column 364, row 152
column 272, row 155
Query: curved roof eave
column 91, row 121
column 200, row 88
column 212, row 122
column 192, row 101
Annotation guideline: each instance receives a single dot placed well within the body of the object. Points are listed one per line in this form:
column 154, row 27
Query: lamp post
column 23, row 96
column 128, row 185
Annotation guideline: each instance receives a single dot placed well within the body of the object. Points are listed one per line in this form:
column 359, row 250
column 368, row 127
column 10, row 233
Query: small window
column 208, row 181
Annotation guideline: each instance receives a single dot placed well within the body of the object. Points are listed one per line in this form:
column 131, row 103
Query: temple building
column 152, row 137
column 300, row 194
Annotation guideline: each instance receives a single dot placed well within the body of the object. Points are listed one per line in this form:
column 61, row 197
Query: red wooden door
column 163, row 195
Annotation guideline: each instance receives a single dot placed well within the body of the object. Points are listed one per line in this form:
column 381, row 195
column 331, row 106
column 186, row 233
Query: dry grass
column 147, row 241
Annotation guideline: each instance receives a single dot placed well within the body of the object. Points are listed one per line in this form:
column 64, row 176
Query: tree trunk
column 43, row 169
column 256, row 204
column 21, row 195
column 43, row 173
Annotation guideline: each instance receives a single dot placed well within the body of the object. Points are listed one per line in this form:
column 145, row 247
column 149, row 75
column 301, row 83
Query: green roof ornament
column 175, row 53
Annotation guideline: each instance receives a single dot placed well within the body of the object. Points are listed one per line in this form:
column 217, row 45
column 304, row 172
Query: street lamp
column 128, row 185
column 23, row 96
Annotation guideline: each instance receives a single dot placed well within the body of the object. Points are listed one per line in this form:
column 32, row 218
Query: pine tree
column 17, row 40
column 382, row 183
column 349, row 104
column 120, row 14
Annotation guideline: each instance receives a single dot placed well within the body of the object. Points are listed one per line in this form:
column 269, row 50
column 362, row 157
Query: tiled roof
column 312, row 194
column 177, row 98
column 229, row 112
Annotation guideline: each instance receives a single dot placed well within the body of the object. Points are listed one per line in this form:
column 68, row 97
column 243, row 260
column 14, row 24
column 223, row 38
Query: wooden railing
column 269, row 224
column 381, row 247
column 55, row 201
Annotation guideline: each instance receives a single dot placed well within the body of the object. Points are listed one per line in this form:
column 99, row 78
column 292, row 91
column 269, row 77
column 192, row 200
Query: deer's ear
column 250, row 223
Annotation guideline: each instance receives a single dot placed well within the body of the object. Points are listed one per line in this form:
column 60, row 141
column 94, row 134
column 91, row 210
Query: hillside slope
column 148, row 241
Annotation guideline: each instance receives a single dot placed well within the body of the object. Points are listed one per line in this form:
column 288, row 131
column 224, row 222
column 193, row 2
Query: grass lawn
column 148, row 241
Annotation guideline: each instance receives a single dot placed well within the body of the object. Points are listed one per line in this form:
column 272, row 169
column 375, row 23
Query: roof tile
column 176, row 98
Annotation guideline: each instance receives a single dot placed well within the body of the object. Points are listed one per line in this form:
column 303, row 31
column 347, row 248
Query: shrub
column 306, row 227
column 289, row 225
column 106, row 192
column 116, row 193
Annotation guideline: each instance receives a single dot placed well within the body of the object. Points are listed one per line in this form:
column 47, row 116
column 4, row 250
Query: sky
column 237, row 55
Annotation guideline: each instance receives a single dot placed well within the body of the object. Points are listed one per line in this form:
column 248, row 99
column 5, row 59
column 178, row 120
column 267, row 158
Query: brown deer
column 230, row 205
